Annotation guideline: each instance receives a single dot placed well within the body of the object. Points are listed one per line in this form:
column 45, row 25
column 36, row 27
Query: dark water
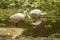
column 40, row 30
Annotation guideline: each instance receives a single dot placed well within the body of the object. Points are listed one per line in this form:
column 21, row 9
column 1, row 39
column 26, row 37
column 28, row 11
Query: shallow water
column 37, row 31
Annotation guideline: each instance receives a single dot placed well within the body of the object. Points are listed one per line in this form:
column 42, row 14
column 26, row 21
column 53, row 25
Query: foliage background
column 51, row 22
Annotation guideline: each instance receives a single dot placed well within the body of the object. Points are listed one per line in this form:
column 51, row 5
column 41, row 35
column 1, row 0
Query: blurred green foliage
column 10, row 7
column 55, row 35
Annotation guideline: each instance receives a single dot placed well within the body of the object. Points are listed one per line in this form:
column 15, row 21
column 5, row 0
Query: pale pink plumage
column 37, row 22
column 18, row 16
column 35, row 12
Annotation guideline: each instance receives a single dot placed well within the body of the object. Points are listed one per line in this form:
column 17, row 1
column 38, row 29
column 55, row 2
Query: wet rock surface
column 10, row 33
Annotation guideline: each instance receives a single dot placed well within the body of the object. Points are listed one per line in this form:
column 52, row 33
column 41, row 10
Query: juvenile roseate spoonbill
column 37, row 12
column 17, row 17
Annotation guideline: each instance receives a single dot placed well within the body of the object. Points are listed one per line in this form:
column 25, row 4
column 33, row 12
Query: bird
column 17, row 17
column 37, row 13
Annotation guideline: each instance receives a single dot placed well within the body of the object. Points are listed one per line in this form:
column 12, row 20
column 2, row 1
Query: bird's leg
column 16, row 24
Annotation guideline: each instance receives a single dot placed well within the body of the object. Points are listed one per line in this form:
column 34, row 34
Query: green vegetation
column 51, row 21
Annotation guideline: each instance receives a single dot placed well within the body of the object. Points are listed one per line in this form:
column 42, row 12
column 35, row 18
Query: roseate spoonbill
column 17, row 17
column 37, row 13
